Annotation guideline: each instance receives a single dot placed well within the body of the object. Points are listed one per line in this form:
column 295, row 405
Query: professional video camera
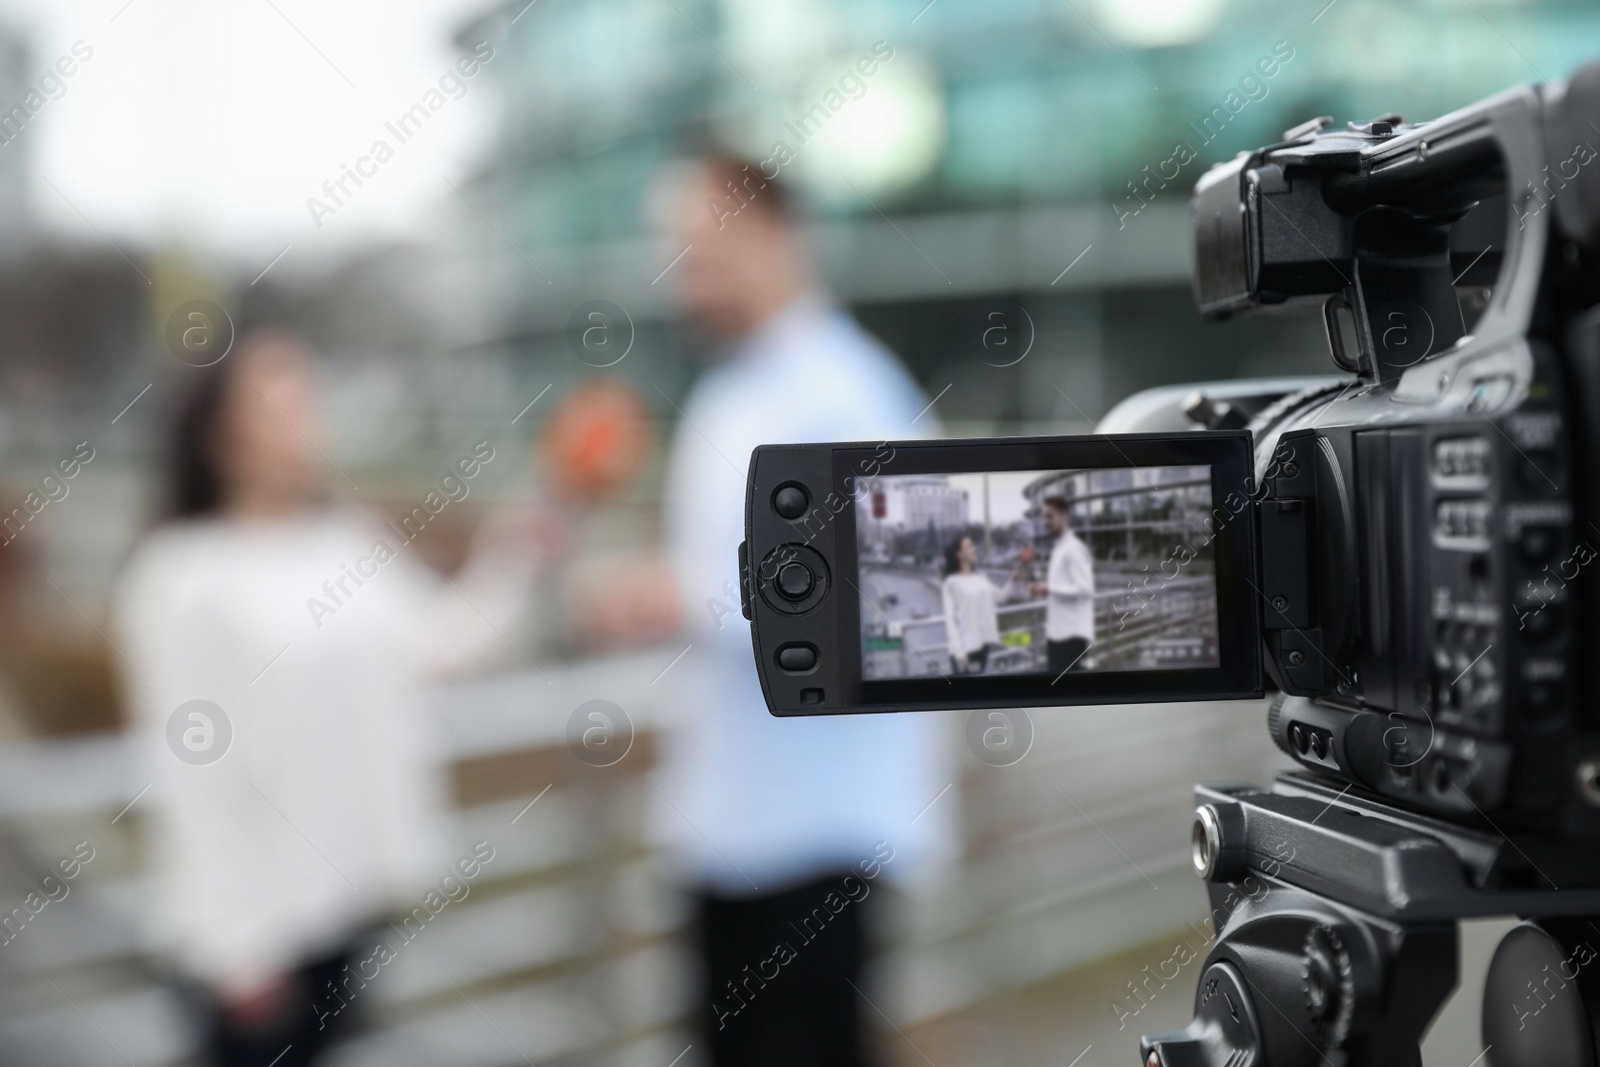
column 1401, row 552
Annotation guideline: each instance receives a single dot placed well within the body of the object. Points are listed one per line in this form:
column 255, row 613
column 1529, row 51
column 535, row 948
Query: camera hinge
column 1286, row 527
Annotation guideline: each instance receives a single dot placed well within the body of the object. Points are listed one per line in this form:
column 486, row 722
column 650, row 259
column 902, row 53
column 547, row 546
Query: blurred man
column 1069, row 585
column 781, row 823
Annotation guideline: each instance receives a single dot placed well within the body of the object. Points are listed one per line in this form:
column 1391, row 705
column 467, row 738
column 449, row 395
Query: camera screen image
column 1036, row 572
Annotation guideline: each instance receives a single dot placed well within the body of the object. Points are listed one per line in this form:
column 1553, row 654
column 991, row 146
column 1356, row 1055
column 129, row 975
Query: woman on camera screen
column 971, row 623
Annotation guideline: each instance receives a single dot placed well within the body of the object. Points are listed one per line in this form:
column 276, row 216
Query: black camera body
column 1422, row 577
column 1427, row 529
column 1410, row 558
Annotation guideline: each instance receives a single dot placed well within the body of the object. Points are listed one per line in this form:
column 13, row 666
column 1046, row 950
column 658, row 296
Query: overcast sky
column 209, row 123
column 1006, row 502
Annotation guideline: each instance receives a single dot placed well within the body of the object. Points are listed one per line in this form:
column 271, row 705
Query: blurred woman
column 971, row 615
column 276, row 647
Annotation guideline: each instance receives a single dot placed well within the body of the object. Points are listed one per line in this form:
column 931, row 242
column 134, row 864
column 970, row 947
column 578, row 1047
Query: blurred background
column 1004, row 207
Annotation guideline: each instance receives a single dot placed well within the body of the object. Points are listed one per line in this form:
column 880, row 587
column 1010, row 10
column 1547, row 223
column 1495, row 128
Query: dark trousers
column 779, row 970
column 1064, row 655
column 301, row 1033
column 977, row 662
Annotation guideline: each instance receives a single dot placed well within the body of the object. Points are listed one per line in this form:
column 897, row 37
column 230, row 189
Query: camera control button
column 1541, row 471
column 792, row 579
column 790, row 501
column 1537, row 543
column 795, row 580
column 1541, row 623
column 797, row 658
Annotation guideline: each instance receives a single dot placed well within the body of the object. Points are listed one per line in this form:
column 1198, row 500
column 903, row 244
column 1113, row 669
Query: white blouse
column 313, row 634
column 970, row 622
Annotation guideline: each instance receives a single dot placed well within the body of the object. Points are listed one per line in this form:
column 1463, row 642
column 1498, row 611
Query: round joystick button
column 1538, row 543
column 790, row 501
column 795, row 581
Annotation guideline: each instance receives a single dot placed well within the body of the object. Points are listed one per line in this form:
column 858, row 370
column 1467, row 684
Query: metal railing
column 1180, row 611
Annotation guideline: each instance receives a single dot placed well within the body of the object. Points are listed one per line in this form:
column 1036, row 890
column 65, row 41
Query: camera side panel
column 791, row 579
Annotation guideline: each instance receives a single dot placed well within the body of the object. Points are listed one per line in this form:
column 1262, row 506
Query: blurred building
column 909, row 503
column 15, row 65
column 1004, row 201
column 1169, row 501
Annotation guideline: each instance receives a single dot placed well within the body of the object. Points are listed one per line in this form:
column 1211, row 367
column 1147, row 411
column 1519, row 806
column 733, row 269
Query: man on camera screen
column 1069, row 589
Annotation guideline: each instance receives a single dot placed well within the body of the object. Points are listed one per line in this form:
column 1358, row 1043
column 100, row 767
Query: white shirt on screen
column 970, row 606
column 325, row 808
column 1069, row 608
column 752, row 803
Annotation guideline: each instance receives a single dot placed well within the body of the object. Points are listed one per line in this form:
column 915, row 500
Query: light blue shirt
column 757, row 803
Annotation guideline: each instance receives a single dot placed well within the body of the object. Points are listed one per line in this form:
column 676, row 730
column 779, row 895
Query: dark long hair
column 194, row 487
column 952, row 556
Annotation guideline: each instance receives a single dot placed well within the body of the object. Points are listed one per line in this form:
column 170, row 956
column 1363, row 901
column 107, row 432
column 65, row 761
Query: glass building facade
column 1013, row 173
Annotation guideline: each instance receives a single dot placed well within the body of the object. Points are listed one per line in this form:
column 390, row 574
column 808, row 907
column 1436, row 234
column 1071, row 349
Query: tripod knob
column 1224, row 1032
column 1540, row 997
column 1216, row 843
column 1329, row 985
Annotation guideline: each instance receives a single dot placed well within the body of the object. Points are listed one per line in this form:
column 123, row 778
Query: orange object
column 597, row 439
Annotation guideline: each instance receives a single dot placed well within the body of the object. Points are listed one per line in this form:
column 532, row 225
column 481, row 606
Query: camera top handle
column 1361, row 219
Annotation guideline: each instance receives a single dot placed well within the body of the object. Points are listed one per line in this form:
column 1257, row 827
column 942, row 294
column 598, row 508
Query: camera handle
column 1337, row 945
column 1401, row 296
